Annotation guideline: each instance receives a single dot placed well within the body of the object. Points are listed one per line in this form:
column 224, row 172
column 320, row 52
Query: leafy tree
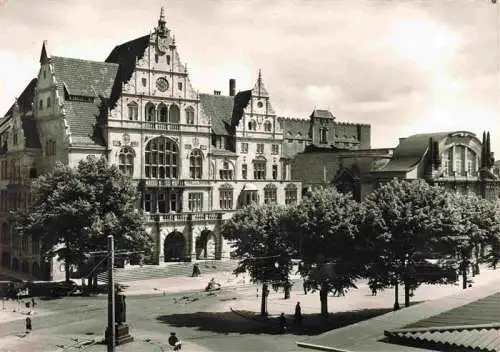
column 326, row 232
column 477, row 224
column 402, row 220
column 75, row 209
column 265, row 248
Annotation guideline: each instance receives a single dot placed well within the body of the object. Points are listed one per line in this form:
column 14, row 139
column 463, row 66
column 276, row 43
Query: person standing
column 298, row 314
column 28, row 325
column 282, row 322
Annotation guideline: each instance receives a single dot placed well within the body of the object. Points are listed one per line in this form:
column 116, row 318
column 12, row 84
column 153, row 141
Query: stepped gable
column 126, row 55
column 410, row 151
column 85, row 86
column 219, row 109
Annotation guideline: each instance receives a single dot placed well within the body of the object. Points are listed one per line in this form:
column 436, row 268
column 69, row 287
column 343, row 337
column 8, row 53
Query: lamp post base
column 122, row 335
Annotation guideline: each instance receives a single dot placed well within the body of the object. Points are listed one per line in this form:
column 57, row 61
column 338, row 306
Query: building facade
column 195, row 158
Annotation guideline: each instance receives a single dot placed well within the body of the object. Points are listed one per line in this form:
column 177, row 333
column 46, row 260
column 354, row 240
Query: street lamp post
column 111, row 296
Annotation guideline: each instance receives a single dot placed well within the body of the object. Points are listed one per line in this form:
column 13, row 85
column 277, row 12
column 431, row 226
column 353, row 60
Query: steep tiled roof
column 241, row 101
column 126, row 55
column 90, row 79
column 298, row 128
column 219, row 108
column 471, row 327
column 323, row 114
column 410, row 151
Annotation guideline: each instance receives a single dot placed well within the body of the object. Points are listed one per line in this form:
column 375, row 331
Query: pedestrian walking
column 304, row 286
column 33, row 303
column 28, row 324
column 196, row 270
column 298, row 314
column 282, row 322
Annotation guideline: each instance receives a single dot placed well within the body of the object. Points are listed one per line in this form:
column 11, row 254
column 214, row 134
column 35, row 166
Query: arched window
column 161, row 158
column 126, row 161
column 270, row 194
column 133, row 111
column 268, row 126
column 190, row 115
column 174, row 114
column 252, row 125
column 162, row 113
column 195, row 164
column 150, row 112
column 290, row 194
column 226, row 172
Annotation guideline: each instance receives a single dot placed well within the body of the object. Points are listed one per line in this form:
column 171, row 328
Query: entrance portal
column 174, row 247
column 205, row 245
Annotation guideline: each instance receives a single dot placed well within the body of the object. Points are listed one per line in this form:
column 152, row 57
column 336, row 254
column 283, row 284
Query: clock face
column 162, row 84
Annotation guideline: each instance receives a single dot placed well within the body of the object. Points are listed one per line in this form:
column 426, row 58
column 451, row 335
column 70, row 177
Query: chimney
column 216, row 92
column 232, row 87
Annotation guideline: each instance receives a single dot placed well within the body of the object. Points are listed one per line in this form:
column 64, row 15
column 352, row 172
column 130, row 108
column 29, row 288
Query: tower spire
column 162, row 23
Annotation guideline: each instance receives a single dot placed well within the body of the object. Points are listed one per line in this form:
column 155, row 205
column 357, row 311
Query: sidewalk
column 365, row 335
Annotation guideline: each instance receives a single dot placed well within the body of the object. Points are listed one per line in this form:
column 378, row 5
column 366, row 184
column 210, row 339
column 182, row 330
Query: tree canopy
column 75, row 209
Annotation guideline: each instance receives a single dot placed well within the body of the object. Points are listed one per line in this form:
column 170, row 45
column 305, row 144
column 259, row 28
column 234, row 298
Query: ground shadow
column 245, row 322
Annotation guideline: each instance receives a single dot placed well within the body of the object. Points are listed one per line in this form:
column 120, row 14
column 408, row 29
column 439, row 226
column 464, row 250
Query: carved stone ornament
column 203, row 147
column 187, row 146
column 196, row 142
column 134, row 144
column 117, row 143
column 126, row 139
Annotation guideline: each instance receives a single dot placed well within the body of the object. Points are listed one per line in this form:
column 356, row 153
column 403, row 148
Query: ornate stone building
column 194, row 157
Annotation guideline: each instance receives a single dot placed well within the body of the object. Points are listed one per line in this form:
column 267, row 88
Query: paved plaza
column 225, row 321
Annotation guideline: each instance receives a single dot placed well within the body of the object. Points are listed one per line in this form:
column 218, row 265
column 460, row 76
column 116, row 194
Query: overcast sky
column 404, row 67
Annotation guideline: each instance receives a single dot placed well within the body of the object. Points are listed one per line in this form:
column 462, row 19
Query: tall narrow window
column 268, row 126
column 226, row 173
column 133, row 111
column 40, row 106
column 252, row 125
column 174, row 114
column 275, row 172
column 48, row 102
column 244, row 148
column 323, row 135
column 162, row 113
column 275, row 149
column 260, row 148
column 226, row 197
column 290, row 194
column 148, row 202
column 161, row 158
column 270, row 194
column 195, row 201
column 150, row 112
column 195, row 164
column 156, row 58
column 259, row 169
column 244, row 171
column 190, row 115
column 126, row 161
column 168, row 59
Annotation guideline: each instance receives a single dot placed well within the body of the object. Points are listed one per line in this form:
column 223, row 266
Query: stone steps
column 146, row 272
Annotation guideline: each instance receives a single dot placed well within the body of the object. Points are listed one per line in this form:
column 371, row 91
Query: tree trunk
column 263, row 303
column 407, row 294
column 396, row 296
column 464, row 277
column 67, row 273
column 323, row 296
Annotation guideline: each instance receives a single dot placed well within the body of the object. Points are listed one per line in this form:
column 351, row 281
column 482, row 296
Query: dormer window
column 323, row 135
